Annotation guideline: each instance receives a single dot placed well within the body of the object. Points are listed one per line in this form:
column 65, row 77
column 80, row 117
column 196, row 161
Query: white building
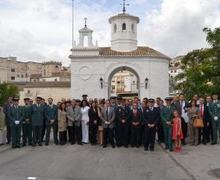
column 93, row 67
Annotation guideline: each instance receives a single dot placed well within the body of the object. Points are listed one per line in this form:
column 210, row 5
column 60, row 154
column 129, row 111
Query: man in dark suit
column 209, row 135
column 6, row 107
column 181, row 106
column 204, row 114
column 136, row 120
column 123, row 117
column 15, row 114
column 108, row 118
column 151, row 118
column 51, row 113
column 37, row 115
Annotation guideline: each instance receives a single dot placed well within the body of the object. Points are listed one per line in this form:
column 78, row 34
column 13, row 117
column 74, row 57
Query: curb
column 185, row 169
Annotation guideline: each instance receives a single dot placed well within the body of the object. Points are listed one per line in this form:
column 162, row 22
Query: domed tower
column 124, row 31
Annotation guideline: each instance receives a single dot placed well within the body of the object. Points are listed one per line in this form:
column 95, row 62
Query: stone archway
column 122, row 68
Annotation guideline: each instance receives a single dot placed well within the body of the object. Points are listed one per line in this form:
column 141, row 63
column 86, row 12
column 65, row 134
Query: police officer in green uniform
column 214, row 111
column 51, row 114
column 37, row 115
column 166, row 114
column 27, row 128
column 15, row 115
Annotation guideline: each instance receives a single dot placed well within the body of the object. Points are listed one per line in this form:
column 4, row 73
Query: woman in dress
column 93, row 122
column 62, row 123
column 193, row 113
column 85, row 121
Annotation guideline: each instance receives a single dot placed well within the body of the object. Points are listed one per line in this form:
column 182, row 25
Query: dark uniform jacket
column 123, row 113
column 15, row 114
column 51, row 113
column 151, row 116
column 37, row 115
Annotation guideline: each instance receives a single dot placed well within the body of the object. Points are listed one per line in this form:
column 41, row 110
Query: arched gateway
column 93, row 67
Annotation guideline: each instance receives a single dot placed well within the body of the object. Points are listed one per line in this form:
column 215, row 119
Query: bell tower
column 124, row 31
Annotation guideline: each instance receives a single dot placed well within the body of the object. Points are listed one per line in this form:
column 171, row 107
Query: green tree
column 6, row 90
column 201, row 68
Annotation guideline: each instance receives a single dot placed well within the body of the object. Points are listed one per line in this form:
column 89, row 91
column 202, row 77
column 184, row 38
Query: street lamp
column 146, row 82
column 101, row 82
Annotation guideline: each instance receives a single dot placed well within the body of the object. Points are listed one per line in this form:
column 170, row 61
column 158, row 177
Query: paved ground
column 88, row 162
column 199, row 161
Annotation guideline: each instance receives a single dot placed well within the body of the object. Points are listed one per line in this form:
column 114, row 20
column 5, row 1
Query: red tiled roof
column 140, row 51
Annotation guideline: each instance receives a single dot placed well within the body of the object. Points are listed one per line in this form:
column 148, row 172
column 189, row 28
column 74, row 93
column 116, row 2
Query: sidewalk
column 199, row 161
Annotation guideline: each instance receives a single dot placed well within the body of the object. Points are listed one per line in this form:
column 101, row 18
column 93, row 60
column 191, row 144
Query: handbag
column 198, row 122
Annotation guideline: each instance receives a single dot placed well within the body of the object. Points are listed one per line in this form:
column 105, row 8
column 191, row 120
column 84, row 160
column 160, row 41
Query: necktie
column 181, row 107
column 135, row 112
column 107, row 114
column 201, row 111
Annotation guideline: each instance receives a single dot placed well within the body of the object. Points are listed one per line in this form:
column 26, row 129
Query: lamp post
column 101, row 82
column 146, row 82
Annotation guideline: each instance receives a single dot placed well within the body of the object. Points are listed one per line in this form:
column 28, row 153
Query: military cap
column 119, row 98
column 113, row 97
column 151, row 100
column 215, row 93
column 31, row 100
column 168, row 99
column 38, row 97
column 15, row 99
column 84, row 95
column 26, row 99
column 77, row 100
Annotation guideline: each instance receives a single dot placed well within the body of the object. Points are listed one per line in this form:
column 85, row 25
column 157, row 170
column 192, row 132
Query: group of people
column 115, row 121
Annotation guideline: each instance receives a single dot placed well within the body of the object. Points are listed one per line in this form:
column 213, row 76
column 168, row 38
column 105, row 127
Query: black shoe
column 18, row 146
column 104, row 146
column 146, row 148
column 46, row 144
column 8, row 142
column 56, row 143
column 40, row 144
column 33, row 144
column 171, row 150
column 213, row 143
column 118, row 145
column 132, row 145
column 30, row 144
column 183, row 142
column 73, row 143
column 113, row 146
column 166, row 148
column 151, row 149
column 137, row 146
column 23, row 145
column 126, row 146
column 80, row 144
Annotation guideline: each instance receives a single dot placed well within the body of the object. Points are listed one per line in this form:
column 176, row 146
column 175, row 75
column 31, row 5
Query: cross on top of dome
column 124, row 6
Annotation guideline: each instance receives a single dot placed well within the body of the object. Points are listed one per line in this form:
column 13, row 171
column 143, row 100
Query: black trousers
column 209, row 132
column 108, row 135
column 37, row 134
column 150, row 134
column 123, row 135
column 160, row 133
column 93, row 128
column 135, row 135
column 184, row 129
column 48, row 128
column 43, row 129
column 71, row 132
column 8, row 131
column 27, row 133
column 62, row 138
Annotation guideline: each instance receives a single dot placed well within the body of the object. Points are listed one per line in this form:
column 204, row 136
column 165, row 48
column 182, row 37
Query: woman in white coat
column 85, row 121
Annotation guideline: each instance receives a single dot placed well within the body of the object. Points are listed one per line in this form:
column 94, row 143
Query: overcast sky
column 40, row 30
